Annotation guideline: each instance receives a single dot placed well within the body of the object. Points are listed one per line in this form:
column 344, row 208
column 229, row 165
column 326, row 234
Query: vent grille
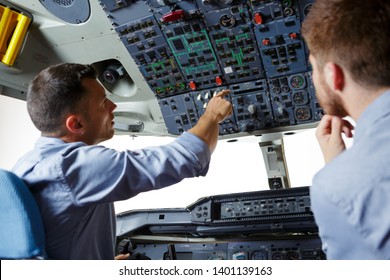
column 64, row 3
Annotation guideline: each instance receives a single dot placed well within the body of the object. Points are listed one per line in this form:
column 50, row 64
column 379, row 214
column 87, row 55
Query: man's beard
column 330, row 102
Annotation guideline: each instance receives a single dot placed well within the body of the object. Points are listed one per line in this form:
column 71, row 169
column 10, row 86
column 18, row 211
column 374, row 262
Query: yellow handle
column 5, row 18
column 13, row 29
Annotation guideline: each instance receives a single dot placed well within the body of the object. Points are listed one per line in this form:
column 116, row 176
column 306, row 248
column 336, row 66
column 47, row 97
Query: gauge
column 307, row 9
column 302, row 114
column 299, row 97
column 297, row 81
column 288, row 12
column 227, row 21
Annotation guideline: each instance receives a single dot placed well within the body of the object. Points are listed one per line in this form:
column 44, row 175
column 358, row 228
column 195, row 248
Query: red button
column 293, row 35
column 192, row 85
column 173, row 16
column 258, row 19
column 266, row 42
column 218, row 80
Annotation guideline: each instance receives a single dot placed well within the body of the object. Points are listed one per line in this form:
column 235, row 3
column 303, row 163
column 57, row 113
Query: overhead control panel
column 188, row 50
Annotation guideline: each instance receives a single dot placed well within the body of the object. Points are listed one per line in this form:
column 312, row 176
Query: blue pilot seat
column 22, row 234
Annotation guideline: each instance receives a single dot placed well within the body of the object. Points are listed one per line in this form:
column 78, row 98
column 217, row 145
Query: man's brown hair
column 55, row 92
column 354, row 34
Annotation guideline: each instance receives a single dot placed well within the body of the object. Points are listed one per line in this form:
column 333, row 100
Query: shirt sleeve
column 95, row 174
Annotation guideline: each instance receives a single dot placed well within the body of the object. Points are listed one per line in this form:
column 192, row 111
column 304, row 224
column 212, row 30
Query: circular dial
column 227, row 21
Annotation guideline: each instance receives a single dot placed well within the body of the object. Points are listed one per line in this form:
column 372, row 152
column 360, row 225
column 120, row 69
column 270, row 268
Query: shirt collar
column 378, row 109
column 45, row 141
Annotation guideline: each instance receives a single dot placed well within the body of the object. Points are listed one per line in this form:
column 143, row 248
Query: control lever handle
column 171, row 253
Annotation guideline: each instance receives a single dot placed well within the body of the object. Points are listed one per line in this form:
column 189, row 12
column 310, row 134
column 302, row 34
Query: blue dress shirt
column 75, row 186
column 350, row 196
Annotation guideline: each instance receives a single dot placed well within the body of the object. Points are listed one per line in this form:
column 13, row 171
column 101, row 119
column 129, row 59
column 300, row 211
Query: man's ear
column 334, row 76
column 74, row 124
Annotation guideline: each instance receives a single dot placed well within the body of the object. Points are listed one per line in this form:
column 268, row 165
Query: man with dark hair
column 75, row 181
column 350, row 55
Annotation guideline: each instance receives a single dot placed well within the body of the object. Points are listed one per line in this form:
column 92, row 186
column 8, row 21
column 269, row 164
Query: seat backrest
column 22, row 233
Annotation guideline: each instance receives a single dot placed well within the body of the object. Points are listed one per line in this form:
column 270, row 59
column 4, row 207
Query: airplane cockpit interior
column 160, row 62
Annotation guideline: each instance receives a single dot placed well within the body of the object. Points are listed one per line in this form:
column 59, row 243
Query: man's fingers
column 337, row 125
column 223, row 93
column 347, row 128
column 324, row 126
column 334, row 126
